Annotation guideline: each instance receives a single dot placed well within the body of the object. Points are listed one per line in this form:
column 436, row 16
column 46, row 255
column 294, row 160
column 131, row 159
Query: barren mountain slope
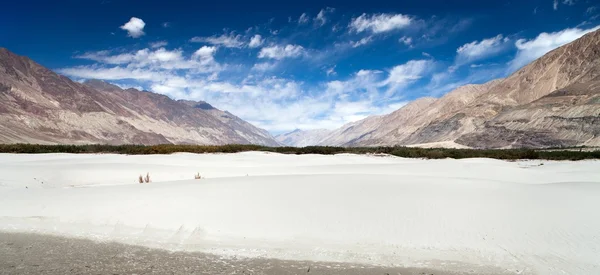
column 550, row 102
column 40, row 106
column 375, row 126
column 245, row 129
column 566, row 117
column 574, row 67
column 442, row 108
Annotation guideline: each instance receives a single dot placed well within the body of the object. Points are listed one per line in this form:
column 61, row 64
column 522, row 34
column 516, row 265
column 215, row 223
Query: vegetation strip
column 407, row 152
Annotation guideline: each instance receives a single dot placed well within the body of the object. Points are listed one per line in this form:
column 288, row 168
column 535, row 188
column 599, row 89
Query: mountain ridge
column 499, row 114
column 40, row 106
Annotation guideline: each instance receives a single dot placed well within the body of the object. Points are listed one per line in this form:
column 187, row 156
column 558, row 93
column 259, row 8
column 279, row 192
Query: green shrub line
column 407, row 152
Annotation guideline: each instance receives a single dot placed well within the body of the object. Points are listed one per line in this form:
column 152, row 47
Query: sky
column 303, row 65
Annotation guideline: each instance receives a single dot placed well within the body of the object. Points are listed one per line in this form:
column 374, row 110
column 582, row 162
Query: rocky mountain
column 374, row 127
column 40, row 106
column 299, row 138
column 554, row 101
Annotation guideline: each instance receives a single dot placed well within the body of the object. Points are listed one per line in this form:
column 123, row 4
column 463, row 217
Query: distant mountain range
column 554, row 101
column 40, row 106
column 299, row 138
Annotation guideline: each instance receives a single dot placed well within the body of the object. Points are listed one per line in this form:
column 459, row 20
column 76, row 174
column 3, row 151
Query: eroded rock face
column 40, row 106
column 554, row 101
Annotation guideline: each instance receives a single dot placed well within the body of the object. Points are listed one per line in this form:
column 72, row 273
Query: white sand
column 456, row 215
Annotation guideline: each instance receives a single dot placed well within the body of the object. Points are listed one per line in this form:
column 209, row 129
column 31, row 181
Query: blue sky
column 283, row 66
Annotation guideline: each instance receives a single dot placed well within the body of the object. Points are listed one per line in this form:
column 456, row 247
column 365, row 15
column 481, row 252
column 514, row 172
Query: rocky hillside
column 40, row 106
column 554, row 101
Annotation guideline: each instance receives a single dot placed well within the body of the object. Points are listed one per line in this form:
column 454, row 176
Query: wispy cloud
column 529, row 50
column 158, row 44
column 281, row 52
column 406, row 40
column 378, row 23
column 363, row 41
column 478, row 50
column 228, row 40
column 303, row 19
column 321, row 18
column 256, row 41
column 402, row 75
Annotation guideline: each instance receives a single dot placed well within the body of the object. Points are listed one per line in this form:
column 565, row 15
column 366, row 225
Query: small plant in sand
column 197, row 176
column 141, row 179
column 147, row 178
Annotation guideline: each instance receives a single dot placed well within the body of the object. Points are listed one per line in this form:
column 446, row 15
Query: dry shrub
column 557, row 153
column 147, row 178
column 197, row 176
column 141, row 179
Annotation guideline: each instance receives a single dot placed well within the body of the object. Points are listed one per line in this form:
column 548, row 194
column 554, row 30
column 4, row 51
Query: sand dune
column 455, row 215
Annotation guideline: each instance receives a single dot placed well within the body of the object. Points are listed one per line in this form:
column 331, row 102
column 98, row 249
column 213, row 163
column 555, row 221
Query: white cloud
column 135, row 27
column 170, row 91
column 564, row 2
column 158, row 44
column 303, row 18
column 478, row 50
column 264, row 66
column 226, row 40
column 406, row 40
column 321, row 18
column 336, row 27
column 106, row 57
column 362, row 41
column 145, row 64
column 281, row 52
column 114, row 73
column 367, row 72
column 205, row 52
column 166, row 24
column 255, row 41
column 331, row 71
column 379, row 23
column 529, row 50
column 404, row 74
column 160, row 58
column 276, row 104
column 591, row 10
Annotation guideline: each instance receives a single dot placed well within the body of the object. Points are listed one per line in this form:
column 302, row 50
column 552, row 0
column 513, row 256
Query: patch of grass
column 407, row 152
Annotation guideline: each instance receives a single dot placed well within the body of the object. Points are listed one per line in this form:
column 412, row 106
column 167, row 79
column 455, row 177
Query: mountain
column 553, row 101
column 40, row 106
column 374, row 127
column 299, row 138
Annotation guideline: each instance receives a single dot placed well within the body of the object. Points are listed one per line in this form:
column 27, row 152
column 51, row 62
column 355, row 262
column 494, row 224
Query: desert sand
column 472, row 216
